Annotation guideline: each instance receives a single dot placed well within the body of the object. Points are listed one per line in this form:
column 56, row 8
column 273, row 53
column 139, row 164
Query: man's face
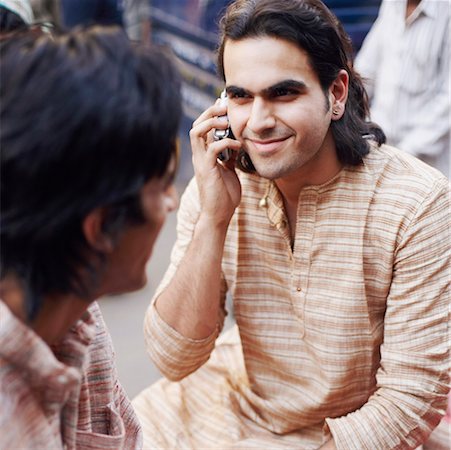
column 278, row 110
column 126, row 269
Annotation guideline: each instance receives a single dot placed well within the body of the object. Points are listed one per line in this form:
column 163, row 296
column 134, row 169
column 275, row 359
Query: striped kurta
column 343, row 335
column 67, row 396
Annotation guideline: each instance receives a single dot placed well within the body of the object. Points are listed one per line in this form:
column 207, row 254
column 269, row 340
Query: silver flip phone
column 222, row 134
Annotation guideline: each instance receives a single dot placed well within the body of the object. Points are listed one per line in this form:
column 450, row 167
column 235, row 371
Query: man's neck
column 411, row 7
column 56, row 315
column 322, row 168
column 291, row 186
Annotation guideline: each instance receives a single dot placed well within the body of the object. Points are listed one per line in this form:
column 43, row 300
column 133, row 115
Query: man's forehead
column 253, row 44
column 266, row 58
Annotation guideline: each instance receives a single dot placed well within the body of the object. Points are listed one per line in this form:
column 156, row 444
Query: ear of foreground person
column 89, row 152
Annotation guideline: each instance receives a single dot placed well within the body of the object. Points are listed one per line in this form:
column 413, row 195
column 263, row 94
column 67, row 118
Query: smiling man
column 88, row 155
column 333, row 246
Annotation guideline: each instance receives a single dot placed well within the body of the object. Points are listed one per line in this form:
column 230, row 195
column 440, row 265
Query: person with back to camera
column 88, row 154
column 333, row 246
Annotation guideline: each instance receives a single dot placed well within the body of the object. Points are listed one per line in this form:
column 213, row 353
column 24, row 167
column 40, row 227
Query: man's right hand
column 218, row 183
column 190, row 304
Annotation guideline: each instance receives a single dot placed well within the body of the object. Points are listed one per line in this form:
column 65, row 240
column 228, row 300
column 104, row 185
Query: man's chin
column 265, row 170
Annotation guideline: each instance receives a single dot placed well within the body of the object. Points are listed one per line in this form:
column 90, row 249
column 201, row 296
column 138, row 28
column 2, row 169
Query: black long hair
column 86, row 119
column 314, row 28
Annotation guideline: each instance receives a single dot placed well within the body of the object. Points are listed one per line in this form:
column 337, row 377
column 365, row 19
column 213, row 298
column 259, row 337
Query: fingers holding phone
column 220, row 134
column 211, row 134
column 213, row 150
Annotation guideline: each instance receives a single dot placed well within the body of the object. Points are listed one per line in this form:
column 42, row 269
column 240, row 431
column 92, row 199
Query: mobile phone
column 222, row 134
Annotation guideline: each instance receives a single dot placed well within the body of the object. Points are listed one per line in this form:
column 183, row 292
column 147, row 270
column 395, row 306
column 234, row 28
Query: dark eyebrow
column 235, row 90
column 269, row 91
column 292, row 85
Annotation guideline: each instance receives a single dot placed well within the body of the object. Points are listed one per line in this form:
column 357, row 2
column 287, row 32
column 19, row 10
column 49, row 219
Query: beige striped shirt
column 346, row 334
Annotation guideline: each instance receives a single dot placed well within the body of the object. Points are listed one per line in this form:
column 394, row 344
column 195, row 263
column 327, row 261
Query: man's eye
column 238, row 94
column 282, row 92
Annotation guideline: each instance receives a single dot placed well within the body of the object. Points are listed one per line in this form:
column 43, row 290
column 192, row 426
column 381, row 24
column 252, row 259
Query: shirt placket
column 272, row 202
column 305, row 228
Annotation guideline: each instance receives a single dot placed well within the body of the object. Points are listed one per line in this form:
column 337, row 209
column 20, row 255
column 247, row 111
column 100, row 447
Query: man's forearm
column 190, row 302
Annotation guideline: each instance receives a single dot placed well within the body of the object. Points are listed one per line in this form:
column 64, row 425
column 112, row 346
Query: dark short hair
column 313, row 28
column 87, row 118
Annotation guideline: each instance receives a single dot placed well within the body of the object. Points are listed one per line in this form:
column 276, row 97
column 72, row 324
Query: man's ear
column 94, row 234
column 338, row 92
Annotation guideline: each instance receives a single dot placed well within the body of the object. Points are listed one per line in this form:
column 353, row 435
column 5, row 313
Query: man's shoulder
column 392, row 169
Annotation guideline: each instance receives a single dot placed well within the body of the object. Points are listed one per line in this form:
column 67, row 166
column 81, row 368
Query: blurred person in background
column 14, row 14
column 88, row 154
column 137, row 18
column 88, row 12
column 333, row 246
column 46, row 11
column 405, row 60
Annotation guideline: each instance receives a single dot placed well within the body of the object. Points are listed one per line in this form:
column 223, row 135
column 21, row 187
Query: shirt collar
column 23, row 349
column 273, row 203
column 426, row 8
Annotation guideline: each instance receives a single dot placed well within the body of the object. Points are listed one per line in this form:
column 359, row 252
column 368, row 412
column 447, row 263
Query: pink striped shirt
column 67, row 396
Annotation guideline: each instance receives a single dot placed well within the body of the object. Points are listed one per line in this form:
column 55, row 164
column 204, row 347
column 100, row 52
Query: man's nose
column 261, row 116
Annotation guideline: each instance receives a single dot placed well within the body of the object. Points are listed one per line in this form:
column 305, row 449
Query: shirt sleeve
column 175, row 355
column 413, row 377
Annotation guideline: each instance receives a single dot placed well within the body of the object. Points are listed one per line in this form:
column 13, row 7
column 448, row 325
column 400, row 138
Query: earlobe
column 95, row 236
column 339, row 94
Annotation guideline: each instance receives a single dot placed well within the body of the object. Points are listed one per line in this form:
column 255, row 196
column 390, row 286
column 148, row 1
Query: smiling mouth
column 268, row 146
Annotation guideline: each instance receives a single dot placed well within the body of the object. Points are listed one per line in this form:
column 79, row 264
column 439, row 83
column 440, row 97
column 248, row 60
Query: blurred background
column 189, row 29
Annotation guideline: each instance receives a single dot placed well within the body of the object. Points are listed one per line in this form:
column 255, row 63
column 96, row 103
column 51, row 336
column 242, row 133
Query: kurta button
column 299, row 289
column 263, row 203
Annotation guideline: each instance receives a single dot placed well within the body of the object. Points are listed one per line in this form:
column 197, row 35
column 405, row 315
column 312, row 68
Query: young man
column 334, row 247
column 88, row 141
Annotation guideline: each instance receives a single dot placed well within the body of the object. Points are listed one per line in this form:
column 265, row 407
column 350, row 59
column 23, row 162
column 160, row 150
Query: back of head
column 87, row 118
column 313, row 28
